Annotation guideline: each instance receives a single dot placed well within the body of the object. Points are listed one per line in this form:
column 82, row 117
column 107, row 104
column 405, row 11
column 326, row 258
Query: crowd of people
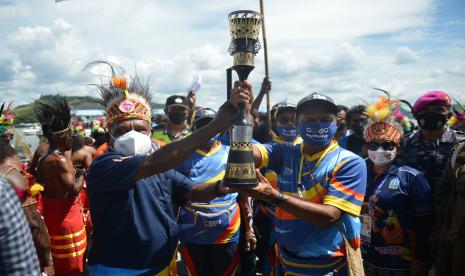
column 374, row 189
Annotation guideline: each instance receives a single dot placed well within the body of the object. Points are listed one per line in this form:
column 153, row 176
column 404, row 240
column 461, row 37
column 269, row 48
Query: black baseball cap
column 282, row 106
column 203, row 116
column 204, row 113
column 177, row 100
column 317, row 99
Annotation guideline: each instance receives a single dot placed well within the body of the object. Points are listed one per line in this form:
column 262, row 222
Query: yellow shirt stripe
column 342, row 204
column 264, row 153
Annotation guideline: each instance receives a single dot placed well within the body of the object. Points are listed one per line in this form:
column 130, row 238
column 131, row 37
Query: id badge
column 365, row 231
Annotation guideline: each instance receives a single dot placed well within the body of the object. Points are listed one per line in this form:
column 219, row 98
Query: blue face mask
column 317, row 134
column 287, row 132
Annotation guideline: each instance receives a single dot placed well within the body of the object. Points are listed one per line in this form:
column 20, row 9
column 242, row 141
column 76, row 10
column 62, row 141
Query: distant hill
column 25, row 113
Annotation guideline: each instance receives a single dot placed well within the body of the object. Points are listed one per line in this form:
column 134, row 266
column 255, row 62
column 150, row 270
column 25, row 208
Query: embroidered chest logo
column 394, row 184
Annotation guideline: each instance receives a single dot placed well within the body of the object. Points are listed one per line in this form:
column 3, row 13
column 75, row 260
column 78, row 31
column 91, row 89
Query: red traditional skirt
column 68, row 237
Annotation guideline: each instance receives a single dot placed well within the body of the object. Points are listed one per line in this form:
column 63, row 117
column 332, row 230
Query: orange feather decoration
column 119, row 82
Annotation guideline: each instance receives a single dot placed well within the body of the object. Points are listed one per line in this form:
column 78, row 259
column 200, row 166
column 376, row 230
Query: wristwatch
column 278, row 200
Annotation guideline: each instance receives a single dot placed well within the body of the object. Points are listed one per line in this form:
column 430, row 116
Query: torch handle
column 228, row 83
column 242, row 114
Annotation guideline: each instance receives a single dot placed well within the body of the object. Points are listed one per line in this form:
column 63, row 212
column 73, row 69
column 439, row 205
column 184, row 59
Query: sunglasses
column 388, row 145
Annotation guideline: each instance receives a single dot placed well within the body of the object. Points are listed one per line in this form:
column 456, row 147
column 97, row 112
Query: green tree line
column 25, row 113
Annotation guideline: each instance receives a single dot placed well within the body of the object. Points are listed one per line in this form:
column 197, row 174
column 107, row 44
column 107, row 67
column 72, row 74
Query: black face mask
column 177, row 118
column 358, row 129
column 342, row 126
column 431, row 120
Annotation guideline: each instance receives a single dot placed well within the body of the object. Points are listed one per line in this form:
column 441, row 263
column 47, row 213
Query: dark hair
column 89, row 140
column 341, row 107
column 99, row 139
column 53, row 113
column 77, row 143
column 6, row 150
column 358, row 109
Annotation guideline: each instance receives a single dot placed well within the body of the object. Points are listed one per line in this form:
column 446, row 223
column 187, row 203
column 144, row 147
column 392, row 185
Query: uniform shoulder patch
column 394, row 184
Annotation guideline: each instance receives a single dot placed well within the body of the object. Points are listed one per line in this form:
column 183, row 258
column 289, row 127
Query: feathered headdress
column 457, row 117
column 54, row 114
column 385, row 119
column 123, row 101
column 6, row 116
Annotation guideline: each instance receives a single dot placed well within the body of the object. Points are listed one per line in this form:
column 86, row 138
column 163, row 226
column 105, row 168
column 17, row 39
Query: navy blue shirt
column 134, row 221
column 397, row 197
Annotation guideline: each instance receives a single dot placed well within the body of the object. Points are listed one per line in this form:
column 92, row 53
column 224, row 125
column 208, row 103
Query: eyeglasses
column 388, row 145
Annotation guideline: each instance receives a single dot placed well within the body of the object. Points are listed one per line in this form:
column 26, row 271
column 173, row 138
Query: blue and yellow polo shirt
column 214, row 222
column 334, row 177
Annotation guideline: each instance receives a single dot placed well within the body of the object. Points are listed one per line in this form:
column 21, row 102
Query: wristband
column 278, row 200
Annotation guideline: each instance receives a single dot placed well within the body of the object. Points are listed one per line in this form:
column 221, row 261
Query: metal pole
column 267, row 75
column 228, row 83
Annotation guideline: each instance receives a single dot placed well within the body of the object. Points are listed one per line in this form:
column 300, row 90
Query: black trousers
column 211, row 259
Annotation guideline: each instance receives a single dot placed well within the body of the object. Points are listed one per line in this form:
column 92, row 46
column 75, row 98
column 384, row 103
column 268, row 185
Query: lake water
column 31, row 140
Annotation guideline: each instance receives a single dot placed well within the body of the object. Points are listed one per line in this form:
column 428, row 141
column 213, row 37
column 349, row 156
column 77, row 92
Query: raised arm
column 191, row 98
column 266, row 88
column 174, row 153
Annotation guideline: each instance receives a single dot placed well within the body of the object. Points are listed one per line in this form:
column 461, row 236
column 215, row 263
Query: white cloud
column 325, row 45
column 457, row 69
column 405, row 55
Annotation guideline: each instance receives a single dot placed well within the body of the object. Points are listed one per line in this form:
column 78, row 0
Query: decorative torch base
column 234, row 183
column 240, row 169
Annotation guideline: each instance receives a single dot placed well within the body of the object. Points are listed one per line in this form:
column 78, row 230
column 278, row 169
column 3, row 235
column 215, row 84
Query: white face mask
column 381, row 157
column 133, row 143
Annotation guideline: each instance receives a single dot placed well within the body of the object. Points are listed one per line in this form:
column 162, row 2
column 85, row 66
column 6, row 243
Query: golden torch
column 244, row 27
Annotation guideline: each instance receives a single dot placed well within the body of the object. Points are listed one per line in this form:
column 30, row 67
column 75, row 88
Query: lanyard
column 310, row 172
column 374, row 197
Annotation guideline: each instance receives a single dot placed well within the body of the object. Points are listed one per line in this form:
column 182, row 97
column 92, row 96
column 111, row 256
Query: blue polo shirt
column 217, row 221
column 134, row 222
column 394, row 198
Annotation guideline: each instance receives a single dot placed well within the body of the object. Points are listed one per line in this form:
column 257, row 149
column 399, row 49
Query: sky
column 342, row 48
